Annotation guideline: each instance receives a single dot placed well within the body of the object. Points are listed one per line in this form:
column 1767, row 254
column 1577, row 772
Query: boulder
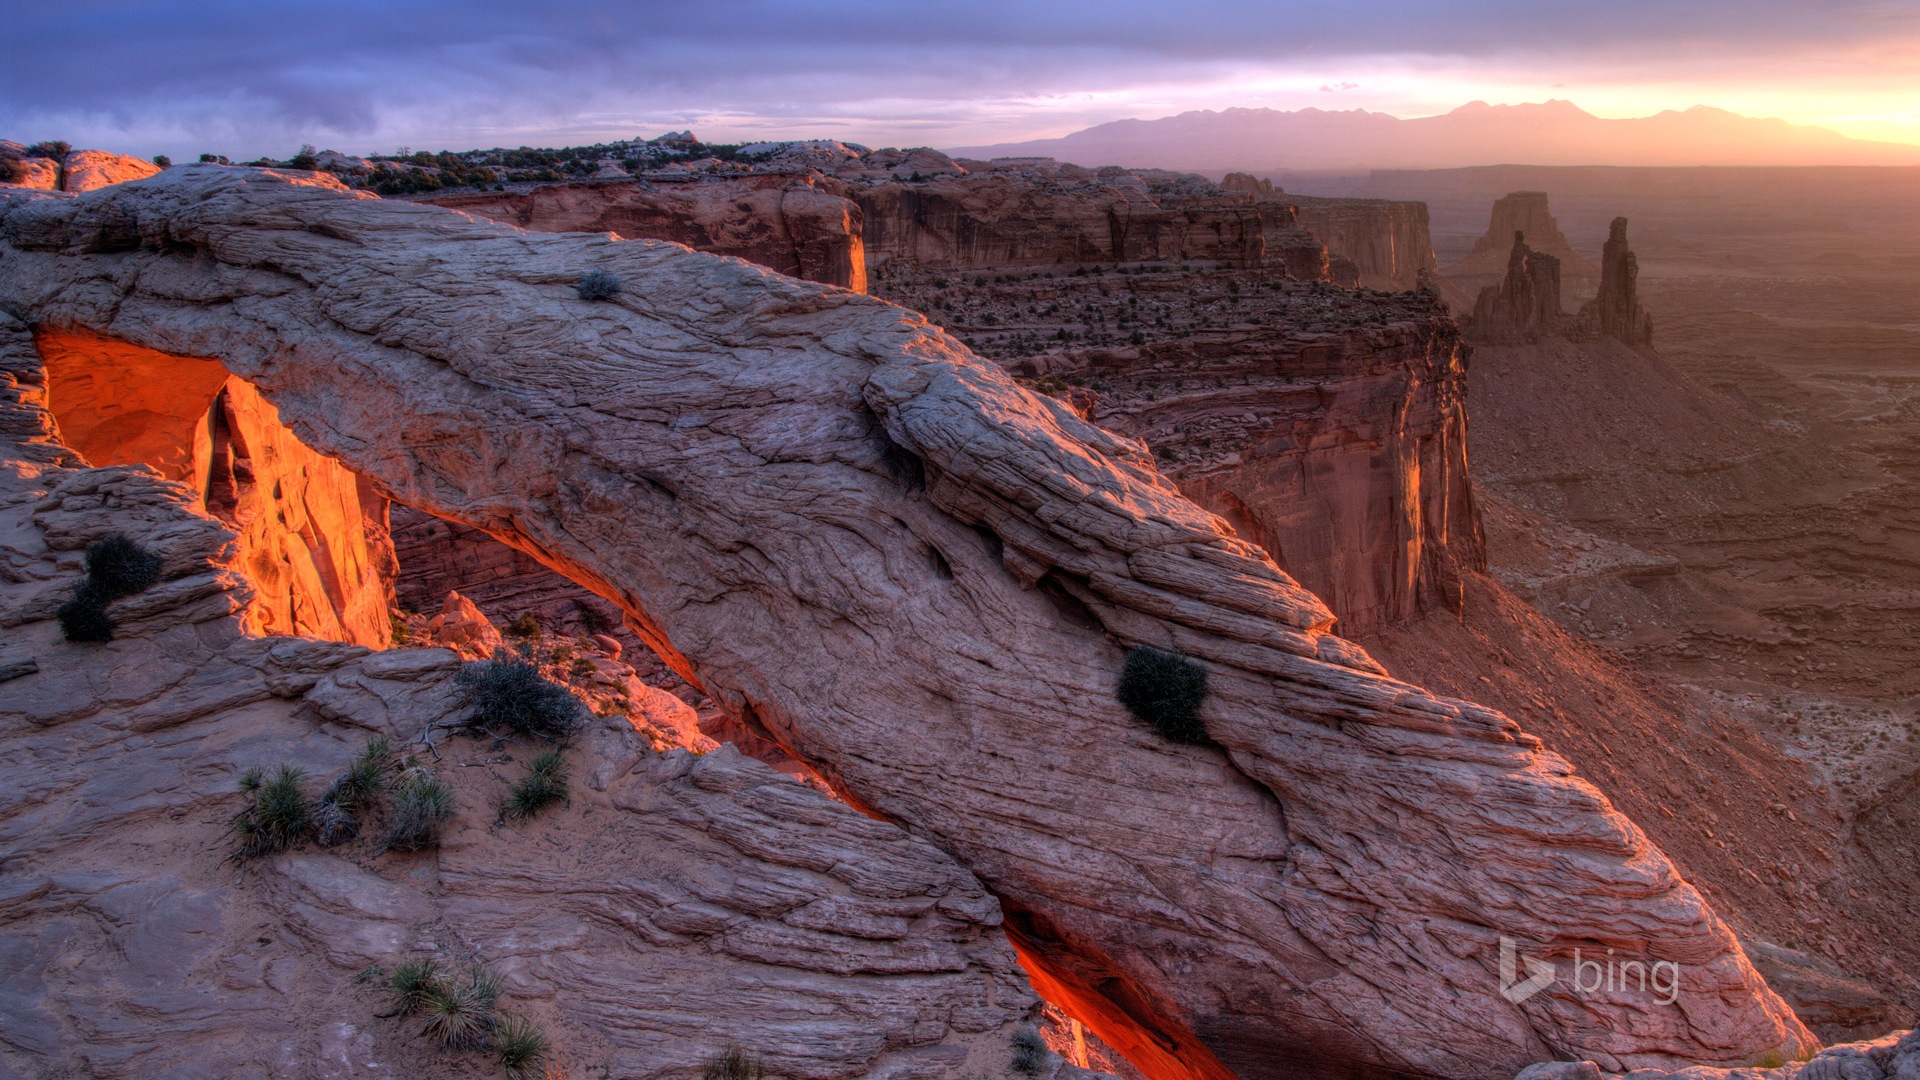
column 462, row 627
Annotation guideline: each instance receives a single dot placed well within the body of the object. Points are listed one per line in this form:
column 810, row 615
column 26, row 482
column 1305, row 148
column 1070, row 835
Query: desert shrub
column 307, row 158
column 163, row 161
column 1029, row 1052
column 52, row 148
column 276, row 816
column 597, row 285
column 84, row 618
column 458, row 1017
column 1165, row 689
column 422, row 803
column 365, row 778
column 401, row 633
column 595, row 620
column 412, row 981
column 520, row 1045
column 526, row 624
column 544, row 785
column 733, row 1063
column 12, row 169
column 512, row 694
column 215, row 159
column 117, row 567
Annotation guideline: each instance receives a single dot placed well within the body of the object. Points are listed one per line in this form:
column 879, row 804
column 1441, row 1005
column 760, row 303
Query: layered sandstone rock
column 1616, row 311
column 86, row 170
column 1525, row 306
column 794, row 224
column 875, row 547
column 313, row 537
column 1012, row 218
column 675, row 906
column 1890, row 1057
column 1388, row 242
column 1524, row 212
column 76, row 171
column 1329, row 427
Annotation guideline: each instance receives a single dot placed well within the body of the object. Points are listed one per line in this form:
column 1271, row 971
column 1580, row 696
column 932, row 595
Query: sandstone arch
column 921, row 579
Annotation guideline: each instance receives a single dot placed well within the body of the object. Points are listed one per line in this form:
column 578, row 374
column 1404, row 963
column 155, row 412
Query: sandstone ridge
column 843, row 526
column 674, row 906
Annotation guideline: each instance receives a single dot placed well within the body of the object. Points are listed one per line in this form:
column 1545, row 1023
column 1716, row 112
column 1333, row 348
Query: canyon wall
column 1328, row 426
column 1009, row 219
column 313, row 536
column 1388, row 242
column 800, row 226
column 875, row 547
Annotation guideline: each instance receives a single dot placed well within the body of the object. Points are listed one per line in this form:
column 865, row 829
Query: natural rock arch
column 922, row 580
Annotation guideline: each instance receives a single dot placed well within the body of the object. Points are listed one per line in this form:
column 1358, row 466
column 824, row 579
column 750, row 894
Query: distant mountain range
column 1550, row 133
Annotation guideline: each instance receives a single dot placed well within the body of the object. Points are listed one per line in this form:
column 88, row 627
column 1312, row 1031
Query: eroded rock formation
column 1524, row 212
column 75, row 171
column 675, row 906
column 1525, row 306
column 845, row 527
column 1616, row 311
column 313, row 537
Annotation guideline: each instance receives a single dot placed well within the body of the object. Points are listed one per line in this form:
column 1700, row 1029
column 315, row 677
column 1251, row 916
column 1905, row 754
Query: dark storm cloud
column 250, row 68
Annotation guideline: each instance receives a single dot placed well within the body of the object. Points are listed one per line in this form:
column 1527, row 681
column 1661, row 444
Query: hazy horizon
column 252, row 80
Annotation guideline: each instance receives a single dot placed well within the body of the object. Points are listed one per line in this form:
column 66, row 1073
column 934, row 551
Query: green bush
column 544, row 785
column 412, row 981
column 521, row 1046
column 276, row 816
column 524, row 625
column 457, row 1016
column 336, row 819
column 1165, row 689
column 163, row 161
column 13, row 170
column 512, row 694
column 597, row 285
column 52, row 148
column 422, row 803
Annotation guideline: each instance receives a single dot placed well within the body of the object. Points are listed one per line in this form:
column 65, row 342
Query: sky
column 261, row 78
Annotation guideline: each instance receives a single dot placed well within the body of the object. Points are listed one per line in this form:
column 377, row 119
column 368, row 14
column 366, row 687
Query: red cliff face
column 801, row 226
column 1007, row 219
column 1327, row 426
column 1388, row 243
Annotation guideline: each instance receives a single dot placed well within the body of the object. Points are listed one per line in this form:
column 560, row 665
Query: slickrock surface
column 846, row 529
column 1891, row 1057
column 676, row 905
